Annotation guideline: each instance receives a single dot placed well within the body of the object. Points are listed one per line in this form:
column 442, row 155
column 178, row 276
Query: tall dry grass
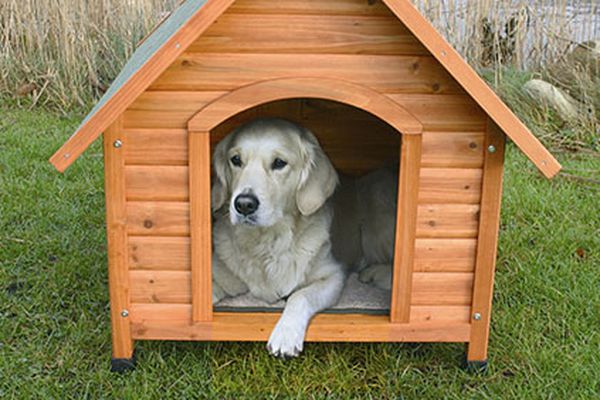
column 524, row 34
column 64, row 53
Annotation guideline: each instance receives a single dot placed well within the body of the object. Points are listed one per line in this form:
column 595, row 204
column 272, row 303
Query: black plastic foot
column 476, row 367
column 122, row 365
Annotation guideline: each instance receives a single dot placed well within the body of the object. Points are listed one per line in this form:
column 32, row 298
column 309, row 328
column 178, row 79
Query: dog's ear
column 318, row 178
column 220, row 187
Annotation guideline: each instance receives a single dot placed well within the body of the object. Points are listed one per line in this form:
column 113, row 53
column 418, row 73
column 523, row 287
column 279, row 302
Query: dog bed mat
column 357, row 297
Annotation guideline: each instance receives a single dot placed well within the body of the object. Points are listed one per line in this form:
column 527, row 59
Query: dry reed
column 64, row 53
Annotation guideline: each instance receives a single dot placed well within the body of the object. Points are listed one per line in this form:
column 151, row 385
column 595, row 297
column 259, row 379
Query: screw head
column 477, row 316
column 124, row 313
column 117, row 144
column 491, row 148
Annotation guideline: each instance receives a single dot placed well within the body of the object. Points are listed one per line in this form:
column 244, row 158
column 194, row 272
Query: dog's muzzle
column 246, row 204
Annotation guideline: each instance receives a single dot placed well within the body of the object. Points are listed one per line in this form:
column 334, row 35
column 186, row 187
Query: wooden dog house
column 375, row 82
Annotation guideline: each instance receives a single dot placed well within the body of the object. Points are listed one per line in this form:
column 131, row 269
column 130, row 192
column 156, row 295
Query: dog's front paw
column 287, row 340
column 378, row 274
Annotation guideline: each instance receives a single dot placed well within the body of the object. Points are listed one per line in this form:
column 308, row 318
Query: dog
column 274, row 231
column 272, row 219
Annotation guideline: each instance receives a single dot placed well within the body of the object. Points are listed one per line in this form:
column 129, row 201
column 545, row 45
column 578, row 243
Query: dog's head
column 270, row 168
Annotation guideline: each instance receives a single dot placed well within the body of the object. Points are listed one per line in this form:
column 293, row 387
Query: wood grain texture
column 313, row 34
column 312, row 7
column 116, row 234
column 323, row 328
column 166, row 218
column 445, row 255
column 200, row 225
column 447, row 288
column 450, row 186
column 437, row 112
column 230, row 71
column 158, row 218
column 452, row 61
column 145, row 75
column 453, row 149
column 358, row 96
column 487, row 244
column 406, row 221
column 142, row 312
column 438, row 185
column 161, row 287
column 428, row 288
column 171, row 253
column 448, row 221
column 156, row 147
column 169, row 183
column 446, row 113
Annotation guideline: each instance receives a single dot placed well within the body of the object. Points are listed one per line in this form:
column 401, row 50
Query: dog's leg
column 378, row 274
column 225, row 283
column 287, row 339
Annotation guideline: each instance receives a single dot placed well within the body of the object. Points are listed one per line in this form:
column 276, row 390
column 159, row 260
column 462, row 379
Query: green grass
column 54, row 313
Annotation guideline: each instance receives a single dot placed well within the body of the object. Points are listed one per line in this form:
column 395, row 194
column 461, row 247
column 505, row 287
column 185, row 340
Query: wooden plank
column 445, row 255
column 406, row 221
column 447, row 221
column 158, row 218
column 386, row 74
column 359, row 96
column 475, row 86
column 428, row 288
column 453, row 149
column 156, row 147
column 172, row 219
column 313, row 34
column 437, row 313
column 442, row 288
column 148, row 183
column 323, row 328
column 444, row 113
column 450, row 186
column 183, row 313
column 159, row 253
column 318, row 7
column 161, row 286
column 116, row 235
column 200, row 225
column 487, row 244
column 446, row 186
column 173, row 253
column 437, row 112
column 138, row 83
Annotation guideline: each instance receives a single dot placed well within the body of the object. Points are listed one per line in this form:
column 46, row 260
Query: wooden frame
column 487, row 243
column 116, row 235
column 237, row 101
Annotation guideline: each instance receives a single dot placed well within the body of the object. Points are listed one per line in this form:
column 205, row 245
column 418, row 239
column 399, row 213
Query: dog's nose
column 246, row 204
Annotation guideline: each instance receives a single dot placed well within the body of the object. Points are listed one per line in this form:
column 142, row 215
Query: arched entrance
column 247, row 97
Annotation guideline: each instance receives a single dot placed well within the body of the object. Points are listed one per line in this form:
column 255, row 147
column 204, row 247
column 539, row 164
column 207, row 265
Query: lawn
column 54, row 312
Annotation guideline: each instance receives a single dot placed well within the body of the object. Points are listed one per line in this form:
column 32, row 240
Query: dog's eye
column 236, row 161
column 278, row 164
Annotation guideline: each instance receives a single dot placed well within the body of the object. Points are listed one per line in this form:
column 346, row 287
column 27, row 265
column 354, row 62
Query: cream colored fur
column 284, row 248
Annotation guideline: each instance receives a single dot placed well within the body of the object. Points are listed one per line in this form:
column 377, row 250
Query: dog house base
column 475, row 367
column 122, row 365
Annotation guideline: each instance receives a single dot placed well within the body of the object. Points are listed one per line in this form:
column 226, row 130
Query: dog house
column 376, row 83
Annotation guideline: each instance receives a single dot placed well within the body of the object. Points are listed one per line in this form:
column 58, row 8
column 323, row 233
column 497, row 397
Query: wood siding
column 341, row 39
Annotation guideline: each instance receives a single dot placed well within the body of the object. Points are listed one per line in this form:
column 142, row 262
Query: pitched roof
column 193, row 17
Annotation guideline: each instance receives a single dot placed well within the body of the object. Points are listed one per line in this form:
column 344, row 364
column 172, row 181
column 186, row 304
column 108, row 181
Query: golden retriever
column 273, row 214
